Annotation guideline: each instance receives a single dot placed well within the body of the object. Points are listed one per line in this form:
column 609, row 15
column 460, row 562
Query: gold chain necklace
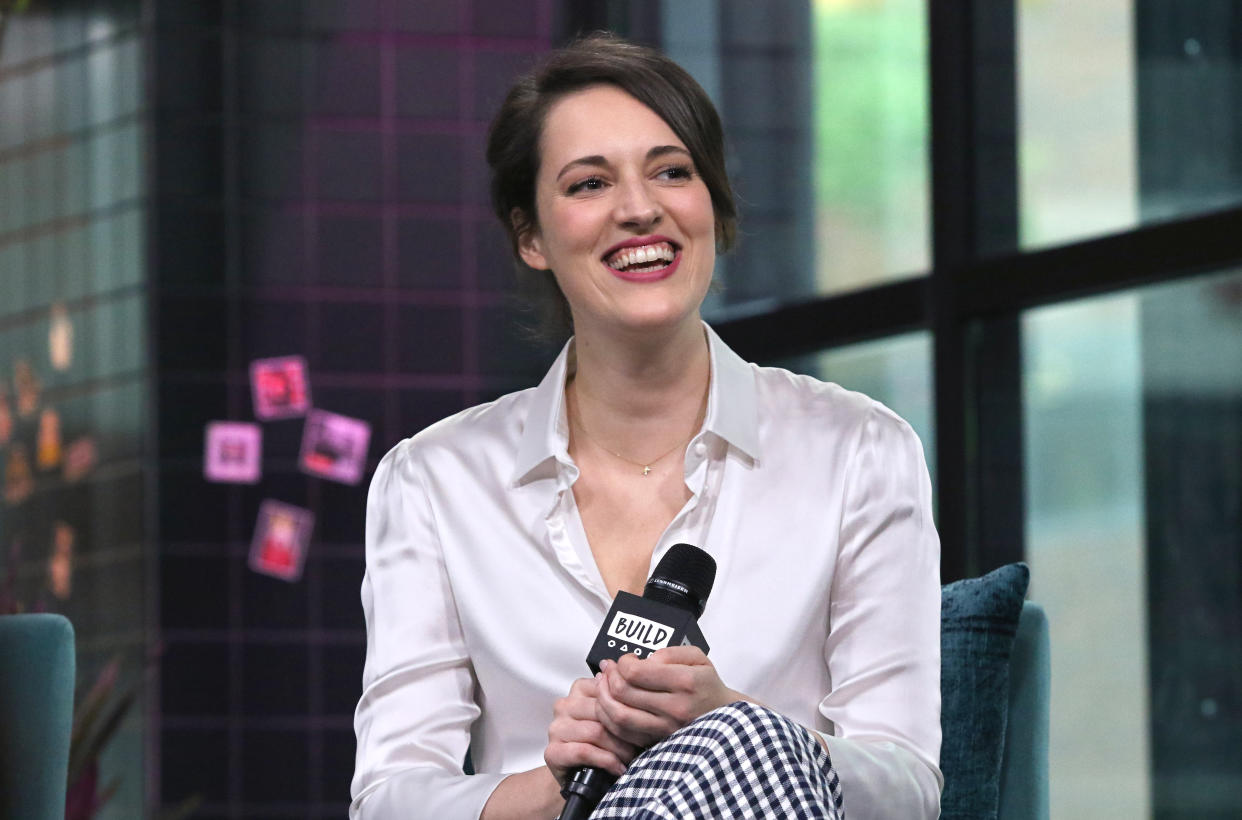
column 645, row 465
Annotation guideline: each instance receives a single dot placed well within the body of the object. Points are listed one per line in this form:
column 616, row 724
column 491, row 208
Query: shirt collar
column 545, row 434
column 731, row 410
column 732, row 406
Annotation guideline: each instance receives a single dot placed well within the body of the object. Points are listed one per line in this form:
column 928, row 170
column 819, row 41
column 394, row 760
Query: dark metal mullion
column 999, row 285
column 1145, row 255
column 952, row 182
column 997, row 510
column 974, row 212
column 804, row 327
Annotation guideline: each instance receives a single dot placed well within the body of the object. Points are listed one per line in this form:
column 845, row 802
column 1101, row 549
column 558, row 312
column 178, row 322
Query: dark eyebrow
column 597, row 159
column 594, row 159
column 661, row 150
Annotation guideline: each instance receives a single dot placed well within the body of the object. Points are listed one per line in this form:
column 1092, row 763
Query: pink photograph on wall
column 281, row 538
column 280, row 387
column 233, row 452
column 334, row 447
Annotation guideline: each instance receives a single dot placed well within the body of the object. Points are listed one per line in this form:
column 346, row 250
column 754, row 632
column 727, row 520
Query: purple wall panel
column 324, row 164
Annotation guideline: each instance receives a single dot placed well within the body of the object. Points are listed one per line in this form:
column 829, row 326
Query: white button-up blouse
column 482, row 597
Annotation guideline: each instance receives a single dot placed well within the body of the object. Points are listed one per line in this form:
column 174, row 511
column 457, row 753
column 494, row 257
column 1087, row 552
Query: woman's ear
column 529, row 242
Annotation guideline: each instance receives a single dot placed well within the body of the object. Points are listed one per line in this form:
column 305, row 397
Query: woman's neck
column 637, row 393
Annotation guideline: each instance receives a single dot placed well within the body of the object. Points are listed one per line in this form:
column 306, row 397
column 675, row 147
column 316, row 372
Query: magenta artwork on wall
column 280, row 387
column 233, row 452
column 281, row 537
column 334, row 446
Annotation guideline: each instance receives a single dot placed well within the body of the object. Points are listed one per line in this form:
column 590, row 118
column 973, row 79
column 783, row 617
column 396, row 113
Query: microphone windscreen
column 683, row 578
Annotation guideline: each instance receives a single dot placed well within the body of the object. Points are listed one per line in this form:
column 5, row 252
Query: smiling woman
column 622, row 218
column 660, row 85
column 648, row 431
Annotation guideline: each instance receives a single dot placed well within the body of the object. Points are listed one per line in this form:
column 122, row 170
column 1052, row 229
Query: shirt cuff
column 881, row 780
column 425, row 793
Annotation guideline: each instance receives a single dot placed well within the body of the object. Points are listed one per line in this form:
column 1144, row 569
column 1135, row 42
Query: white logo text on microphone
column 635, row 629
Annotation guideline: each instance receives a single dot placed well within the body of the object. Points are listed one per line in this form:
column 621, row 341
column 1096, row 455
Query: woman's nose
column 636, row 206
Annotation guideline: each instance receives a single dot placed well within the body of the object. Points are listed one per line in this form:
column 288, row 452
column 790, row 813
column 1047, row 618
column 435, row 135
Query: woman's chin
column 656, row 319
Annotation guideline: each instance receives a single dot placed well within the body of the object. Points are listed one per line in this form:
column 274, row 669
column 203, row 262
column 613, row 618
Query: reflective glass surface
column 1133, row 453
column 871, row 142
column 825, row 109
column 74, row 386
column 1127, row 114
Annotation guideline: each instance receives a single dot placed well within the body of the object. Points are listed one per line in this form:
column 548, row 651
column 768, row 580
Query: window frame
column 972, row 299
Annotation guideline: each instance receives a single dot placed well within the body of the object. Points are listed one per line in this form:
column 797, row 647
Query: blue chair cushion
column 978, row 621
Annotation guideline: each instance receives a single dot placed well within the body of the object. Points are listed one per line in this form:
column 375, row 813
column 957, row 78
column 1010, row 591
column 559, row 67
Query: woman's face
column 625, row 222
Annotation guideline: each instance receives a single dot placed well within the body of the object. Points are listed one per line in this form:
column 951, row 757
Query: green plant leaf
column 93, row 743
column 89, row 710
column 108, row 791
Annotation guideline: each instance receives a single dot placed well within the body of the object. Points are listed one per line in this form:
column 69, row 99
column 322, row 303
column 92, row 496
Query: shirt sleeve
column 883, row 645
column 413, row 719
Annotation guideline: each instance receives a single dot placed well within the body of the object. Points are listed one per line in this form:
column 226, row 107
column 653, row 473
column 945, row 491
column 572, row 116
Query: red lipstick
column 644, row 276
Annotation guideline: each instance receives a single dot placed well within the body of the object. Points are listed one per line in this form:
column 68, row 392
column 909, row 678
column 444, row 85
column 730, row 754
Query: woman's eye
column 588, row 184
column 677, row 172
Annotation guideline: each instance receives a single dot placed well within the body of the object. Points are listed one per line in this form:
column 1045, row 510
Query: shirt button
column 700, row 448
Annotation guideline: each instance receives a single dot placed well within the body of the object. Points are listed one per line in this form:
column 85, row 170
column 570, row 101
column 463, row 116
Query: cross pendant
column 645, row 471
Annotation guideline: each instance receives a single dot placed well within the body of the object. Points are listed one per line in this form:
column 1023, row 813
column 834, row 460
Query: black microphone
column 666, row 615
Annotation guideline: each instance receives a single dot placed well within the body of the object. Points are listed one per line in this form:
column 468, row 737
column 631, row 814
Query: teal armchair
column 1024, row 762
column 37, row 674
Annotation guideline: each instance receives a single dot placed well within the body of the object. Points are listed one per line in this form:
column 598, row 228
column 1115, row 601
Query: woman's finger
column 580, row 702
column 683, row 655
column 573, row 743
column 677, row 692
column 575, row 730
column 624, row 691
column 561, row 757
column 583, row 688
column 593, row 731
column 656, row 676
column 641, row 727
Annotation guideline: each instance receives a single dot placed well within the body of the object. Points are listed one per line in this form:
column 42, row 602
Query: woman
column 497, row 538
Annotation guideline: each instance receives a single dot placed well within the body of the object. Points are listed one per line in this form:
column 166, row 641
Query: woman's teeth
column 642, row 259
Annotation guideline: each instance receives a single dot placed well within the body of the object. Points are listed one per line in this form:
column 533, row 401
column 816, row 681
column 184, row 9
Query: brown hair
column 643, row 73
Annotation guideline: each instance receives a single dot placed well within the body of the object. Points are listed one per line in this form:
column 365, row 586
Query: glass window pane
column 1127, row 112
column 1085, row 544
column 1133, row 453
column 825, row 112
column 871, row 142
column 896, row 371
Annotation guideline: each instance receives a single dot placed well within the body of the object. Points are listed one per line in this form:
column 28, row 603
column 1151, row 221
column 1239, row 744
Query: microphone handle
column 583, row 791
column 576, row 808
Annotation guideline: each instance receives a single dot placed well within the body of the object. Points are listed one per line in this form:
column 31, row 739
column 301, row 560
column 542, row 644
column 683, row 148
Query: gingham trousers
column 737, row 761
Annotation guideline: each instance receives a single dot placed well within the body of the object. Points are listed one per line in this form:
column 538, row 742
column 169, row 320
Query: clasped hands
column 633, row 703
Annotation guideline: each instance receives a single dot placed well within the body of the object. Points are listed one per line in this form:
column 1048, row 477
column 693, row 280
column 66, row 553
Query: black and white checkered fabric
column 737, row 761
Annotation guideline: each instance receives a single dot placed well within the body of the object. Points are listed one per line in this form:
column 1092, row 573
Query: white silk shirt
column 482, row 597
